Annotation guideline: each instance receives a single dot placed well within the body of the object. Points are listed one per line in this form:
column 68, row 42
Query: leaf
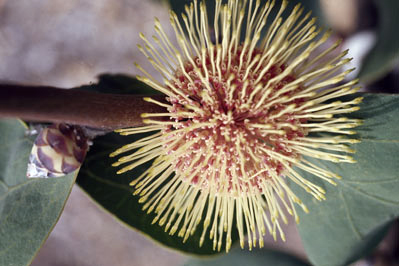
column 309, row 5
column 119, row 84
column 113, row 193
column 385, row 54
column 257, row 257
column 351, row 221
column 30, row 208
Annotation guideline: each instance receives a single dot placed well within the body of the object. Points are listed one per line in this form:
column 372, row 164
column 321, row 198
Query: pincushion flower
column 248, row 99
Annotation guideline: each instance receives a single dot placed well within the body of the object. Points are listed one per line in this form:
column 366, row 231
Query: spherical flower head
column 243, row 113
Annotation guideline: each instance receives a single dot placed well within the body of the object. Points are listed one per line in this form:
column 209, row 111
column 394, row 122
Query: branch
column 96, row 110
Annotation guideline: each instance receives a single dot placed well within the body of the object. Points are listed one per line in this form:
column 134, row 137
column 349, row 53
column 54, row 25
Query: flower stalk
column 75, row 107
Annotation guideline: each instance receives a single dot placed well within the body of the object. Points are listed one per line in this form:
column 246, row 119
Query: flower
column 242, row 117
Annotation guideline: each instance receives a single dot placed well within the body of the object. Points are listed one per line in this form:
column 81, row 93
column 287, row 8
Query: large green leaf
column 113, row 193
column 257, row 257
column 119, row 84
column 309, row 5
column 29, row 209
column 351, row 221
column 385, row 54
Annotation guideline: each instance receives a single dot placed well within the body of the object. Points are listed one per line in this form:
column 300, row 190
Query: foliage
column 383, row 57
column 352, row 220
column 30, row 208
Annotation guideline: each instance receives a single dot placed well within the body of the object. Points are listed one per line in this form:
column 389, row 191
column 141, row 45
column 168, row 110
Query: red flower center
column 228, row 140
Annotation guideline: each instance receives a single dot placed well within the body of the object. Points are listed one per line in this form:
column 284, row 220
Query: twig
column 96, row 110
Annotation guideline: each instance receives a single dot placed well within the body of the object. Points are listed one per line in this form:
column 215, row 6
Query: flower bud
column 58, row 150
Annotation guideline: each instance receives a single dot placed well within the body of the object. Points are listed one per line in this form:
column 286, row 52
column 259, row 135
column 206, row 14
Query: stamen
column 239, row 121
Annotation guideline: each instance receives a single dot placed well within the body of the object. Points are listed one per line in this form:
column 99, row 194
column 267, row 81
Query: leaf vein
column 350, row 219
column 380, row 140
column 374, row 197
column 372, row 181
column 105, row 181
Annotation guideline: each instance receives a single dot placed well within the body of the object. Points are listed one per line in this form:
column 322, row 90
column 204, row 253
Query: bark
column 91, row 109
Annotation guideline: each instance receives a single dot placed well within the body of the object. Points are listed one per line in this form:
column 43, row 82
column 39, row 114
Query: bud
column 58, row 150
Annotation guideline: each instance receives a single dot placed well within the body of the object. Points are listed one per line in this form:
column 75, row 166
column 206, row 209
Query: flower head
column 243, row 113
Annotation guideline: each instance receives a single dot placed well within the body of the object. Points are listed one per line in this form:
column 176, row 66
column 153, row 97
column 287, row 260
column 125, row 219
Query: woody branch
column 96, row 110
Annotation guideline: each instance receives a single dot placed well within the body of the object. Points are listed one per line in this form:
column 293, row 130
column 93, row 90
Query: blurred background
column 69, row 43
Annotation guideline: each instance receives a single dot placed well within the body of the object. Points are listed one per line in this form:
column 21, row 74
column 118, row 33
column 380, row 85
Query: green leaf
column 256, row 257
column 351, row 221
column 119, row 84
column 385, row 54
column 309, row 5
column 30, row 208
column 113, row 193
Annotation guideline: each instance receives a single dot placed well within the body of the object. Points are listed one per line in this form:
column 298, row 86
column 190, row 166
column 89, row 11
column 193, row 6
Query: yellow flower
column 241, row 117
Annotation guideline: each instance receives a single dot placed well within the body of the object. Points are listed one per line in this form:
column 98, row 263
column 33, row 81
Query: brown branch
column 96, row 110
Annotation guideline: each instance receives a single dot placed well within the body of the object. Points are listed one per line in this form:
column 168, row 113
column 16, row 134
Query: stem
column 91, row 109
